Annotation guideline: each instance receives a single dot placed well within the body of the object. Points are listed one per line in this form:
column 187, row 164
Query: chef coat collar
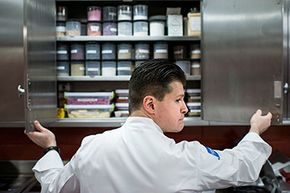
column 147, row 122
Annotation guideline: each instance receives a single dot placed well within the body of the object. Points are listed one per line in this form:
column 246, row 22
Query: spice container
column 194, row 23
column 179, row 52
column 160, row 51
column 77, row 52
column 94, row 29
column 77, row 68
column 140, row 28
column 124, row 68
column 73, row 28
column 193, row 95
column 141, row 51
column 124, row 12
column 61, row 14
column 157, row 25
column 195, row 69
column 194, row 109
column 94, row 13
column 124, row 51
column 195, row 52
column 89, row 98
column 62, row 52
column 89, row 111
column 108, row 68
column 60, row 29
column 124, row 28
column 140, row 12
column 109, row 13
column 93, row 68
column 108, row 51
column 175, row 25
column 184, row 65
column 109, row 28
column 92, row 51
column 62, row 68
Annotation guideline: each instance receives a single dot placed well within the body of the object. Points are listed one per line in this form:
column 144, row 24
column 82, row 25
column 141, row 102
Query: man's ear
column 148, row 104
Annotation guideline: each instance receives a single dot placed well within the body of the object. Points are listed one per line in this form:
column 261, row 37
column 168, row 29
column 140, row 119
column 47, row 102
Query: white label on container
column 93, row 69
column 124, row 68
column 60, row 29
column 107, row 51
column 161, row 51
column 123, row 51
column 112, row 14
column 195, row 66
column 143, row 51
column 113, row 29
column 91, row 51
column 61, row 68
column 61, row 52
column 195, row 52
column 74, row 51
column 95, row 28
column 82, row 68
column 195, row 23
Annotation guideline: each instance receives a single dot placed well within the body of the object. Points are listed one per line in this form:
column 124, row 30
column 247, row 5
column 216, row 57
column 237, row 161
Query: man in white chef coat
column 139, row 158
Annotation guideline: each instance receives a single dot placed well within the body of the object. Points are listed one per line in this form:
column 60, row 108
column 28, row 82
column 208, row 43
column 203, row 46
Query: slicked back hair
column 153, row 78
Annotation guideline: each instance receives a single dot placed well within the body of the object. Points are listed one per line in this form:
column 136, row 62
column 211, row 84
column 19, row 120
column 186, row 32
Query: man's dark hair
column 153, row 78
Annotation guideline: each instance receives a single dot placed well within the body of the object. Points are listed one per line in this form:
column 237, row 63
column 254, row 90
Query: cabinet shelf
column 123, row 1
column 107, row 78
column 113, row 122
column 127, row 38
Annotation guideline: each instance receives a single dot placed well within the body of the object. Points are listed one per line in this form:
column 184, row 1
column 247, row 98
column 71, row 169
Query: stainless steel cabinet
column 243, row 58
column 27, row 52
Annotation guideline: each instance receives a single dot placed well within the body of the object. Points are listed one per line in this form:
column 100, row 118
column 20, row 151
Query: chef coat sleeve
column 215, row 169
column 53, row 176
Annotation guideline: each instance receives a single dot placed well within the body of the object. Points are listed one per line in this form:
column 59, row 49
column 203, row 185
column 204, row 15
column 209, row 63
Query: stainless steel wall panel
column 242, row 59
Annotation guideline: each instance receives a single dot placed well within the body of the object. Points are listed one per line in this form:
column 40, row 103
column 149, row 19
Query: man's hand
column 42, row 136
column 260, row 123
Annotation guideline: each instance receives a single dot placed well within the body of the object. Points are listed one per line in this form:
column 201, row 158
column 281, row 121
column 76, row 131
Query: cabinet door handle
column 21, row 90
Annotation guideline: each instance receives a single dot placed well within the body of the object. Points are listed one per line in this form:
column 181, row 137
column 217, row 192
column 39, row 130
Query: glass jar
column 61, row 14
column 62, row 52
column 124, row 12
column 73, row 28
column 77, row 68
column 93, row 68
column 94, row 13
column 142, row 51
column 108, row 51
column 109, row 28
column 60, row 29
column 94, row 29
column 124, row 51
column 77, row 52
column 124, row 28
column 92, row 51
column 195, row 52
column 195, row 69
column 109, row 13
column 157, row 25
column 160, row 51
column 140, row 28
column 140, row 12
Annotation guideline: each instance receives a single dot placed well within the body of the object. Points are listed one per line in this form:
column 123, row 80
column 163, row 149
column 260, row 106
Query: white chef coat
column 139, row 158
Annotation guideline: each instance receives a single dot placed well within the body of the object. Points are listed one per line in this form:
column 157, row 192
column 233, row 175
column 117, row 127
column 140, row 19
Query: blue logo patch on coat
column 212, row 152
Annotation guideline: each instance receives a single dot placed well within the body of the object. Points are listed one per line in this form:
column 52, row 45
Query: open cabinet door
column 39, row 35
column 242, row 59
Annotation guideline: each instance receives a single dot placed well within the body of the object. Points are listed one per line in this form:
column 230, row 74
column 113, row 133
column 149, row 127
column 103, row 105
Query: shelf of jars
column 108, row 78
column 127, row 38
column 114, row 122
